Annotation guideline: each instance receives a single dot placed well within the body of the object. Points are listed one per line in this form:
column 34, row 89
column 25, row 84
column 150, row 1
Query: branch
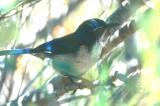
column 125, row 10
column 58, row 86
column 18, row 9
column 122, row 34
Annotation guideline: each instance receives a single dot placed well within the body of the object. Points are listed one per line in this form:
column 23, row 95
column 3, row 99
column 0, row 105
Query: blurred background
column 28, row 23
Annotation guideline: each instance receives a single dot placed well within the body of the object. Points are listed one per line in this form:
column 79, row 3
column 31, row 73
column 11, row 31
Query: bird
column 73, row 54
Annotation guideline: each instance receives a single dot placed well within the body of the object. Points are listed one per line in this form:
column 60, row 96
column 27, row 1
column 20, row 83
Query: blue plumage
column 16, row 51
column 72, row 53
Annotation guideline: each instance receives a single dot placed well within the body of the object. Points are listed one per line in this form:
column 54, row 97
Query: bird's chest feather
column 78, row 63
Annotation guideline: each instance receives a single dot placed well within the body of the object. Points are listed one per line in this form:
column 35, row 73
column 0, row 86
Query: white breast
column 76, row 64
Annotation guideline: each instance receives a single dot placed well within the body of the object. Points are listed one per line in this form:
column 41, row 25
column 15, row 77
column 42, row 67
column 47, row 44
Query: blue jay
column 74, row 54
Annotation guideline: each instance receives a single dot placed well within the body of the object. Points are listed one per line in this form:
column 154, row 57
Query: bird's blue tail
column 17, row 51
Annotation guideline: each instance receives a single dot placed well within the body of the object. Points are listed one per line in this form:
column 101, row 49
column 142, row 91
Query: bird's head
column 87, row 34
column 90, row 25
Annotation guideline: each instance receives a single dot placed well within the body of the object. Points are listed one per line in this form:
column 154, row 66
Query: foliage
column 118, row 81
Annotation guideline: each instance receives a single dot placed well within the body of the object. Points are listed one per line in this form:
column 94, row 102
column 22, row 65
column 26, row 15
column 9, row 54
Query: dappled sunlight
column 103, row 73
